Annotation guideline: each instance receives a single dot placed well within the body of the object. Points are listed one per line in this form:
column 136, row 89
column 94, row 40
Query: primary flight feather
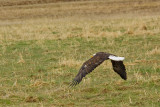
column 96, row 60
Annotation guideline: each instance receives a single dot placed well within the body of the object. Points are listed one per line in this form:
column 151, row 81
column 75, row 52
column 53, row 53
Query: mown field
column 44, row 43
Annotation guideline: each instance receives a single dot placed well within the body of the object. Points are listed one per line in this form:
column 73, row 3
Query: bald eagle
column 96, row 60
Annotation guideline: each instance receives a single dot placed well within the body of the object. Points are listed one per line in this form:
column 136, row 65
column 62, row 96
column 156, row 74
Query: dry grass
column 72, row 63
column 63, row 28
column 155, row 51
column 53, row 20
column 87, row 8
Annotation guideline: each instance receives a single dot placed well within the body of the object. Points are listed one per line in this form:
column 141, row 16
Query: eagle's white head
column 93, row 55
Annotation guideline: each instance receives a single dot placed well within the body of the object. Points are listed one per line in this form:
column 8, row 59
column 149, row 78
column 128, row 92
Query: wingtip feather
column 73, row 83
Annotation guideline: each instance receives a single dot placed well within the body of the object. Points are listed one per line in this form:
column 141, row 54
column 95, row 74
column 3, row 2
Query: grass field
column 43, row 43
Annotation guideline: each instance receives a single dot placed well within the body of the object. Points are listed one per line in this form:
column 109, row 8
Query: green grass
column 32, row 73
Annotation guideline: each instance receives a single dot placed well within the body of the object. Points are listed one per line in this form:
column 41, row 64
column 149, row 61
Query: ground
column 43, row 43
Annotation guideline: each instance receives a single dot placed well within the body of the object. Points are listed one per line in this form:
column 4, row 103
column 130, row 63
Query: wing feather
column 119, row 68
column 88, row 67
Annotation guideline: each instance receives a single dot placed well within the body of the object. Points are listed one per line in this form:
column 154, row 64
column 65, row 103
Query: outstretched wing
column 88, row 67
column 82, row 73
column 119, row 68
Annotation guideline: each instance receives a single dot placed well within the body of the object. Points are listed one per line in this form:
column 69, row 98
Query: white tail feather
column 116, row 58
